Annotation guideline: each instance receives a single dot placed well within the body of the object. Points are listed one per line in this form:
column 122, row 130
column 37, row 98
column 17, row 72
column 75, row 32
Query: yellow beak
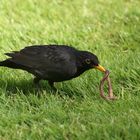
column 99, row 67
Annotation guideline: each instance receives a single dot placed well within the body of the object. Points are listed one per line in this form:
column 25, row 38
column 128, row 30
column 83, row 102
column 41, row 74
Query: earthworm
column 110, row 91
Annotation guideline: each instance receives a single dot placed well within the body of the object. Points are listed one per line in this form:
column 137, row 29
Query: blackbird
column 54, row 63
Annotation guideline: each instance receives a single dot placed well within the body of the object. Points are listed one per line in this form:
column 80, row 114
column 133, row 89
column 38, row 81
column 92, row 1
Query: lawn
column 108, row 28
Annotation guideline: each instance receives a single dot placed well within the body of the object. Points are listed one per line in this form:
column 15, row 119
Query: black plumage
column 54, row 63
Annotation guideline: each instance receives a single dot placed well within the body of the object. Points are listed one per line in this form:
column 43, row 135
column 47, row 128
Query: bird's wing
column 43, row 57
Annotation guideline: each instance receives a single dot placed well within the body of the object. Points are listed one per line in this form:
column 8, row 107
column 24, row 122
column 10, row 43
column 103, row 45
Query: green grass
column 110, row 29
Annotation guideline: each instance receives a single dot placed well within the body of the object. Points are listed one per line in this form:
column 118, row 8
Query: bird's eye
column 88, row 61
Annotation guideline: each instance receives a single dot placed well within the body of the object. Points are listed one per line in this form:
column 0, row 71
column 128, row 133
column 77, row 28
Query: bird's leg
column 51, row 83
column 36, row 82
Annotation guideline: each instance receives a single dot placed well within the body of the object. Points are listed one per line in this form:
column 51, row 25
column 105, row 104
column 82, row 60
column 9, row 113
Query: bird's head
column 90, row 60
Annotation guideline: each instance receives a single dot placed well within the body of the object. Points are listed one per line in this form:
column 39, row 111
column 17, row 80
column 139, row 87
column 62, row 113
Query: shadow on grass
column 11, row 86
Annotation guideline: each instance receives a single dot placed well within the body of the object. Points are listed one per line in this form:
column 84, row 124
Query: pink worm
column 110, row 91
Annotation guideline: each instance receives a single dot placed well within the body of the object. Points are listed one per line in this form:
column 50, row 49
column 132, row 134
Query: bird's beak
column 99, row 67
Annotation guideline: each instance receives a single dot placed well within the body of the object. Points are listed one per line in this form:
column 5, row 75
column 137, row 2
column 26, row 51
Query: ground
column 108, row 28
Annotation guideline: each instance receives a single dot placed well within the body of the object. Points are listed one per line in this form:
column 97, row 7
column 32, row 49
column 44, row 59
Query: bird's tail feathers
column 1, row 63
column 6, row 63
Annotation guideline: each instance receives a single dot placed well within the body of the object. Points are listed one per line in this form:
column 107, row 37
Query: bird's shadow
column 11, row 86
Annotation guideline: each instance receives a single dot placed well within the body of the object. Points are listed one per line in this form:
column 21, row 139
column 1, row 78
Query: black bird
column 54, row 63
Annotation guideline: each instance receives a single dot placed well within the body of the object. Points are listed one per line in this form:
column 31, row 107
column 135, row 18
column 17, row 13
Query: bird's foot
column 36, row 82
column 52, row 86
column 54, row 89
